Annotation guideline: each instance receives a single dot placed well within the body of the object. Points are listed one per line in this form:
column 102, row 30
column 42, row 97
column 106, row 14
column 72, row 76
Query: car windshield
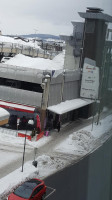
column 24, row 190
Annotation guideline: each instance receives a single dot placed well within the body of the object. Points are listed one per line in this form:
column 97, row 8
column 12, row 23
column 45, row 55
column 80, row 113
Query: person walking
column 58, row 126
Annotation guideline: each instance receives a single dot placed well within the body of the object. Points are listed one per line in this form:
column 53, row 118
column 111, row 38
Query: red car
column 33, row 189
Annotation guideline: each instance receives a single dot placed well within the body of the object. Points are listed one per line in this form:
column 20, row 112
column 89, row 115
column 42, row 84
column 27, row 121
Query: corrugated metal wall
column 20, row 96
column 65, row 87
column 55, row 94
column 71, row 90
column 21, row 73
column 71, row 85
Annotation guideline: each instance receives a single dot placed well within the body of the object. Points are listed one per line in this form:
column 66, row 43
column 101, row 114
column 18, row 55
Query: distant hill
column 42, row 36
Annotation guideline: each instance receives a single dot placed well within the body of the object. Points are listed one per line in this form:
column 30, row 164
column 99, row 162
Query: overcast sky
column 44, row 16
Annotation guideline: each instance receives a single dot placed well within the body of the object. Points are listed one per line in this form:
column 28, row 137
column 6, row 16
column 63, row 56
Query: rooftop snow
column 38, row 63
column 3, row 114
column 13, row 40
column 67, row 106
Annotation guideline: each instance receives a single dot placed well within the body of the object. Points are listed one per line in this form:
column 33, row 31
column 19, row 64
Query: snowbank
column 78, row 143
column 48, row 165
column 103, row 127
column 83, row 141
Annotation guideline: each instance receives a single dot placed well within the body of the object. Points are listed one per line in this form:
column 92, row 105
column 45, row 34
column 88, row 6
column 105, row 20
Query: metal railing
column 15, row 48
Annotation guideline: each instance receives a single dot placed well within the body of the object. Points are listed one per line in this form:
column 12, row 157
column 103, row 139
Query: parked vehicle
column 4, row 59
column 31, row 189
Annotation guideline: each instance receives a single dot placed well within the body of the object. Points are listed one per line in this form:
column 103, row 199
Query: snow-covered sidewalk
column 83, row 141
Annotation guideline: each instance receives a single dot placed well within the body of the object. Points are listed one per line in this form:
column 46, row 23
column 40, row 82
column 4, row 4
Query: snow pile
column 49, row 164
column 77, row 143
column 9, row 182
column 104, row 126
column 83, row 141
column 38, row 63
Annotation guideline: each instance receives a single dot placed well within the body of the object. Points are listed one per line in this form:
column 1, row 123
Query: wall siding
column 55, row 94
column 71, row 90
column 20, row 96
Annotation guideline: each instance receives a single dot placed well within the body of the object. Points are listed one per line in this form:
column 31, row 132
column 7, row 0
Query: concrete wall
column 71, row 62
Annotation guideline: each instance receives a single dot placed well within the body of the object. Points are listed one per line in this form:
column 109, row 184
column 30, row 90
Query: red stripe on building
column 8, row 105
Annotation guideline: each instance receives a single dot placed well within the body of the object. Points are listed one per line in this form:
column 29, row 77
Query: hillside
column 42, row 36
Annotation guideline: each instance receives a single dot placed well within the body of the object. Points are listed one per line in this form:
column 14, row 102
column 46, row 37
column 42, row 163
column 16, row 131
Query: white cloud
column 47, row 16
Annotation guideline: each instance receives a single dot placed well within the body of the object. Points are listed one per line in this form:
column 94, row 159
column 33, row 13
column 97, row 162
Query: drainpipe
column 62, row 88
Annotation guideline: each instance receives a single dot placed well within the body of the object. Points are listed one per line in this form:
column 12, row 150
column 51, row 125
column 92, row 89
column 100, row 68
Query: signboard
column 18, row 121
column 90, row 82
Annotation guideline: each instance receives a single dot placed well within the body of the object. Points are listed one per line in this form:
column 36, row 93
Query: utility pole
column 24, row 149
column 45, row 85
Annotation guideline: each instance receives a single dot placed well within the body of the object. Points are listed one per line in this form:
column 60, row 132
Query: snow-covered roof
column 4, row 116
column 38, row 63
column 30, row 69
column 15, row 40
column 69, row 105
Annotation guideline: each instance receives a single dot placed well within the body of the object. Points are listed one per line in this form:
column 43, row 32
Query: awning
column 17, row 107
column 4, row 116
column 69, row 105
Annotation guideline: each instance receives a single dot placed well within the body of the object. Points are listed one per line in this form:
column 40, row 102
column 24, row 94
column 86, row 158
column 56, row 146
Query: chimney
column 94, row 34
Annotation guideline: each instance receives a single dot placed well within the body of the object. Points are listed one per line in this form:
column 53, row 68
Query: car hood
column 12, row 196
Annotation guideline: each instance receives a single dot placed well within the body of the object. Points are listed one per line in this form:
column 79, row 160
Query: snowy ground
column 83, row 141
column 78, row 143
